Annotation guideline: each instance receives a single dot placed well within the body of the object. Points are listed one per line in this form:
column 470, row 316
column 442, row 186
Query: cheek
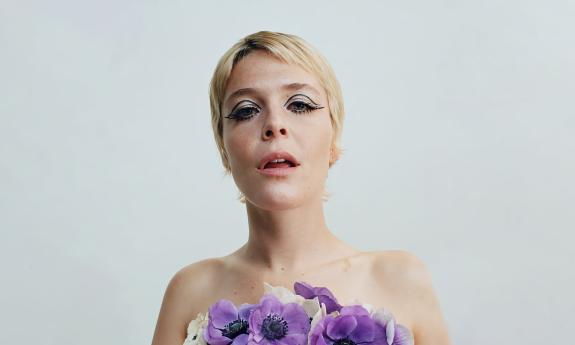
column 236, row 146
column 317, row 143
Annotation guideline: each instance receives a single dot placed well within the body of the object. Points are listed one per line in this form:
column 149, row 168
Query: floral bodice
column 310, row 316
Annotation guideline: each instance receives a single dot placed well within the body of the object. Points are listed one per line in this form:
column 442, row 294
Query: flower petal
column 269, row 304
column 341, row 327
column 383, row 316
column 293, row 339
column 316, row 336
column 241, row 339
column 403, row 336
column 356, row 310
column 223, row 312
column 364, row 331
column 311, row 306
column 296, row 317
column 303, row 289
column 390, row 331
column 214, row 336
column 245, row 310
column 255, row 322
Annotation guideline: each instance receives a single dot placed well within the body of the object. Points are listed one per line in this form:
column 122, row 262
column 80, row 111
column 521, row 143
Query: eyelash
column 308, row 108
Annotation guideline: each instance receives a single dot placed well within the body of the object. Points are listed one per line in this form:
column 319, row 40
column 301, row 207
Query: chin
column 277, row 200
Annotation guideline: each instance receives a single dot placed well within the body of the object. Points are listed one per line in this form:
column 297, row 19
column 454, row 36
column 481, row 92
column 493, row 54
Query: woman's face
column 280, row 108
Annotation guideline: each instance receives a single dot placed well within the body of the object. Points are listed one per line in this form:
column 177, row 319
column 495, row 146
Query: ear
column 333, row 156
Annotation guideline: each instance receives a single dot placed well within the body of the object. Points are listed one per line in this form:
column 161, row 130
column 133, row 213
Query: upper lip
column 277, row 155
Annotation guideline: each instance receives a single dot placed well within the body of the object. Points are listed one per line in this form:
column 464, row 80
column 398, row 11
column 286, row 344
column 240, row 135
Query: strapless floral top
column 310, row 316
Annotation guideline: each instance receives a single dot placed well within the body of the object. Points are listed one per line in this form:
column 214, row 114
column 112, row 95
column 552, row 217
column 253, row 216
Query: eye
column 244, row 113
column 300, row 107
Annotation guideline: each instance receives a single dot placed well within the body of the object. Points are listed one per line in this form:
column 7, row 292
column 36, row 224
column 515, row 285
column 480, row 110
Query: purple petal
column 294, row 339
column 241, row 339
column 317, row 333
column 304, row 289
column 245, row 309
column 341, row 327
column 214, row 336
column 323, row 291
column 255, row 323
column 222, row 313
column 296, row 317
column 269, row 304
column 330, row 304
column 356, row 310
column 403, row 336
column 364, row 331
column 320, row 341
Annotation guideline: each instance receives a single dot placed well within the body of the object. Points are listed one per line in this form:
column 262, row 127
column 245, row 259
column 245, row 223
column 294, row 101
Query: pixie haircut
column 289, row 49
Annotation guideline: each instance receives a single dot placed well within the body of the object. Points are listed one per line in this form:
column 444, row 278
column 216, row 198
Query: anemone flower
column 322, row 293
column 274, row 323
column 227, row 324
column 195, row 330
column 353, row 325
column 396, row 334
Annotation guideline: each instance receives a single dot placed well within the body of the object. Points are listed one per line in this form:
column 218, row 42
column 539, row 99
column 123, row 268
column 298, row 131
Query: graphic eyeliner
column 301, row 94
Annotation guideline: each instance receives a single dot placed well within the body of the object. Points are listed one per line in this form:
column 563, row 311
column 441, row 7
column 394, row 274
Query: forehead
column 260, row 72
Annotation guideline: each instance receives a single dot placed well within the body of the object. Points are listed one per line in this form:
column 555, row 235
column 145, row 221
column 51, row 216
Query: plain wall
column 459, row 147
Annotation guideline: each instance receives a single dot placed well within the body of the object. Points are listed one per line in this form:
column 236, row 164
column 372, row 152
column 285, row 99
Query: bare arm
column 429, row 325
column 181, row 303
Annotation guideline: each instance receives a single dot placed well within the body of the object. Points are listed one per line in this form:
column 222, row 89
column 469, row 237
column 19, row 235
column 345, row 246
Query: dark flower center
column 344, row 341
column 235, row 328
column 274, row 327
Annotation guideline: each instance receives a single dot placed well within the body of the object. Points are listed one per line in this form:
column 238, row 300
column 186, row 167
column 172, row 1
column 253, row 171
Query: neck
column 290, row 240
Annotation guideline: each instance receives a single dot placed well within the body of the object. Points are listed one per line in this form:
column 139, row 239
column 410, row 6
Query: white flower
column 196, row 330
column 283, row 294
column 320, row 314
column 311, row 306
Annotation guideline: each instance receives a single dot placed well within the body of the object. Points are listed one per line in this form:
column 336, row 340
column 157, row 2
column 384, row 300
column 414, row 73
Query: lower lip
column 277, row 171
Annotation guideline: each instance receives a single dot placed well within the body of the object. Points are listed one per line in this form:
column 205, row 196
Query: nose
column 274, row 126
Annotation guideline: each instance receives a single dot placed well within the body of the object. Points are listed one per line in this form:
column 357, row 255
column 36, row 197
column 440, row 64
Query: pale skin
column 288, row 238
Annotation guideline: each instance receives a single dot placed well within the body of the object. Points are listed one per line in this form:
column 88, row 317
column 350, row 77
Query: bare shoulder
column 400, row 267
column 184, row 298
column 407, row 279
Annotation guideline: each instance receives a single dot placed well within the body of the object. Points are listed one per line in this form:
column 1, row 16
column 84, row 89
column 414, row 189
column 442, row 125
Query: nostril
column 283, row 131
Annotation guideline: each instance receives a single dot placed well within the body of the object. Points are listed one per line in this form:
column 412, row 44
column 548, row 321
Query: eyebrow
column 289, row 87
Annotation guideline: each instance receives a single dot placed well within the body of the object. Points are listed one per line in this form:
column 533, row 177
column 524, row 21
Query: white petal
column 321, row 313
column 283, row 294
column 368, row 307
column 311, row 306
column 390, row 331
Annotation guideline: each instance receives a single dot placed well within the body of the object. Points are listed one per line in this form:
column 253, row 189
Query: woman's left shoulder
column 401, row 264
column 408, row 281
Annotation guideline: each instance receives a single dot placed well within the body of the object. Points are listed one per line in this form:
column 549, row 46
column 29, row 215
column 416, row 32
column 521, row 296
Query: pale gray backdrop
column 459, row 148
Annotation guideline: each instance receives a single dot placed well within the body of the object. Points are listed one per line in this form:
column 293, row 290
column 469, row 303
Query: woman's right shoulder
column 194, row 281
column 185, row 297
column 199, row 272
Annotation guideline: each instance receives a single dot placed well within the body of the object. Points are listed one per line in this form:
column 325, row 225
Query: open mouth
column 279, row 163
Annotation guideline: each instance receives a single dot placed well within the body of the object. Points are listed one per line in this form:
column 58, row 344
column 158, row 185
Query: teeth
column 278, row 160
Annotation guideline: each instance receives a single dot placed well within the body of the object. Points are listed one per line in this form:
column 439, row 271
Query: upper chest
column 352, row 280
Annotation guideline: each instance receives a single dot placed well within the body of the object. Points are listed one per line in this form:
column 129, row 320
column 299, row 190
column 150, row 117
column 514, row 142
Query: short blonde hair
column 288, row 49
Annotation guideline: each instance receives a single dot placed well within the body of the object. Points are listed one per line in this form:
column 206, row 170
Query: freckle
column 282, row 268
column 252, row 287
column 235, row 292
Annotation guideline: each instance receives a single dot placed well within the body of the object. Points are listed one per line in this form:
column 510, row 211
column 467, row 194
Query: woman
column 277, row 113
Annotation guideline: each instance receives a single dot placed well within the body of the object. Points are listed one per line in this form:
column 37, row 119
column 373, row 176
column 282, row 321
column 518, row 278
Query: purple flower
column 274, row 323
column 396, row 334
column 322, row 293
column 227, row 324
column 352, row 326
